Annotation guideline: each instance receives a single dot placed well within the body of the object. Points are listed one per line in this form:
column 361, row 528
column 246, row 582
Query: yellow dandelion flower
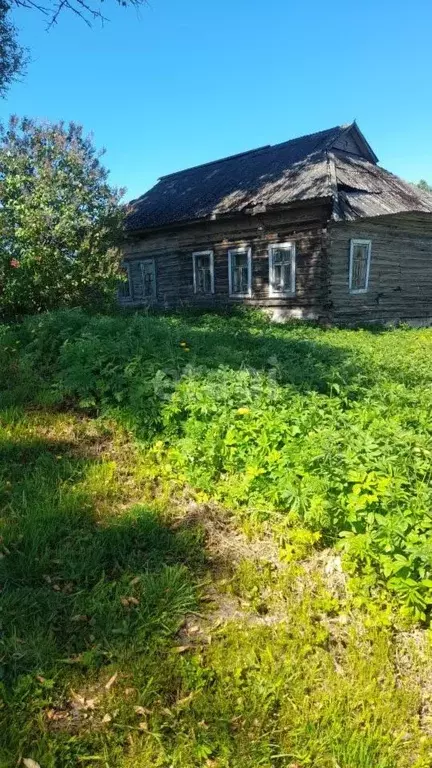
column 183, row 343
column 243, row 411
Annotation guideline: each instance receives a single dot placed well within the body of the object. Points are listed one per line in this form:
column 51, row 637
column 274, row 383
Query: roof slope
column 297, row 170
column 368, row 190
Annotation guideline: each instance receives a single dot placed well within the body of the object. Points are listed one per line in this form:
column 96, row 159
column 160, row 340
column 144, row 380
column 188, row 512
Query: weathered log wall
column 172, row 251
column 400, row 280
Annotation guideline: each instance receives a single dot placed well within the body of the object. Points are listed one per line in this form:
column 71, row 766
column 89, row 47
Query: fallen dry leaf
column 186, row 700
column 128, row 601
column 53, row 714
column 29, row 763
column 143, row 726
column 133, row 601
column 141, row 711
column 181, row 648
column 106, row 718
column 79, row 699
column 111, row 682
column 83, row 702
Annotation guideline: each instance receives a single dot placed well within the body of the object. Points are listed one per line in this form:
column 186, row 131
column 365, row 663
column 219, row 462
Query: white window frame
column 153, row 265
column 291, row 246
column 126, row 265
column 353, row 244
column 195, row 255
column 232, row 252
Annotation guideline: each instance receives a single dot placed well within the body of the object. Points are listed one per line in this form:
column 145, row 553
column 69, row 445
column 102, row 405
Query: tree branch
column 87, row 11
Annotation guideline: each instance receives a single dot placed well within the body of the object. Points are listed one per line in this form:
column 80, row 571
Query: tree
column 60, row 220
column 424, row 186
column 13, row 57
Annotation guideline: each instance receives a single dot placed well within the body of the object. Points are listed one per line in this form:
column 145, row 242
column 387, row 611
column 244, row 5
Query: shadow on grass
column 79, row 590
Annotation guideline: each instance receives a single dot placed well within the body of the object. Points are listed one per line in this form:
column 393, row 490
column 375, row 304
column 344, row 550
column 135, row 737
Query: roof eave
column 256, row 211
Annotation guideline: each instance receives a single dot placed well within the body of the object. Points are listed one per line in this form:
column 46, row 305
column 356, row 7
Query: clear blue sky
column 187, row 81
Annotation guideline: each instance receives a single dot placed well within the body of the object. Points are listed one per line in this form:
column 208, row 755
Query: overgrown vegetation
column 141, row 624
column 291, row 425
column 60, row 220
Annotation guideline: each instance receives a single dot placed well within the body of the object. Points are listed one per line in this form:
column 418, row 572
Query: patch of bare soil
column 414, row 666
column 83, row 709
column 227, row 545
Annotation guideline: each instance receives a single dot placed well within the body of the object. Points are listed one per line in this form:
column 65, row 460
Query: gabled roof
column 336, row 164
column 366, row 190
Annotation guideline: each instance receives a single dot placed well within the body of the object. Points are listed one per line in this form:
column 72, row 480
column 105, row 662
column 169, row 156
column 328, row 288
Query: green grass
column 118, row 445
column 289, row 425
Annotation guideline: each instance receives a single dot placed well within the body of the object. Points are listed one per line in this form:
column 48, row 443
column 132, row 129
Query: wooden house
column 311, row 228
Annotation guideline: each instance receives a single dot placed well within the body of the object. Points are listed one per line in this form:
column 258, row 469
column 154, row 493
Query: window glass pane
column 282, row 266
column 124, row 285
column 203, row 281
column 148, row 279
column 359, row 267
column 239, row 273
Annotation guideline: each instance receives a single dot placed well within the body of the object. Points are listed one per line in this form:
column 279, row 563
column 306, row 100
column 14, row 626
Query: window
column 148, row 278
column 360, row 255
column 203, row 272
column 282, row 269
column 240, row 272
column 125, row 287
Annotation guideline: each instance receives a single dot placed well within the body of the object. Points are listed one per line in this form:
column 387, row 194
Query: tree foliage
column 60, row 220
column 424, row 185
column 12, row 55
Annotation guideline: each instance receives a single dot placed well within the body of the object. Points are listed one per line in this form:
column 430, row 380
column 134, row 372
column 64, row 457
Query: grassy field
column 214, row 544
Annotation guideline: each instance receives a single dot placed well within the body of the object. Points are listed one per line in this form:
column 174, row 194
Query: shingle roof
column 297, row 170
column 365, row 190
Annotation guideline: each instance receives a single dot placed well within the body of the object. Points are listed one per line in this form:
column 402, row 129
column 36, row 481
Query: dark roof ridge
column 258, row 150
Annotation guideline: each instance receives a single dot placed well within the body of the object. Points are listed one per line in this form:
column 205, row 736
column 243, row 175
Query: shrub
column 59, row 218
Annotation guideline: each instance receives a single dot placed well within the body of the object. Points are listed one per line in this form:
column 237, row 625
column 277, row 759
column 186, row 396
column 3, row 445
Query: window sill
column 281, row 295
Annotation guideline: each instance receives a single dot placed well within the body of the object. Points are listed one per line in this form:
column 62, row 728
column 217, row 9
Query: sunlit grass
column 105, row 430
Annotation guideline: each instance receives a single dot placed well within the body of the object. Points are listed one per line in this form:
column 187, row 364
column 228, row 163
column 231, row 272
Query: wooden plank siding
column 400, row 279
column 172, row 251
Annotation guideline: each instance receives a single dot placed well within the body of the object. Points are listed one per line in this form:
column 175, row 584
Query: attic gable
column 351, row 141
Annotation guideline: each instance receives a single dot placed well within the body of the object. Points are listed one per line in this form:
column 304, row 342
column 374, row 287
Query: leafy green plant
column 106, row 654
column 327, row 430
column 59, row 218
